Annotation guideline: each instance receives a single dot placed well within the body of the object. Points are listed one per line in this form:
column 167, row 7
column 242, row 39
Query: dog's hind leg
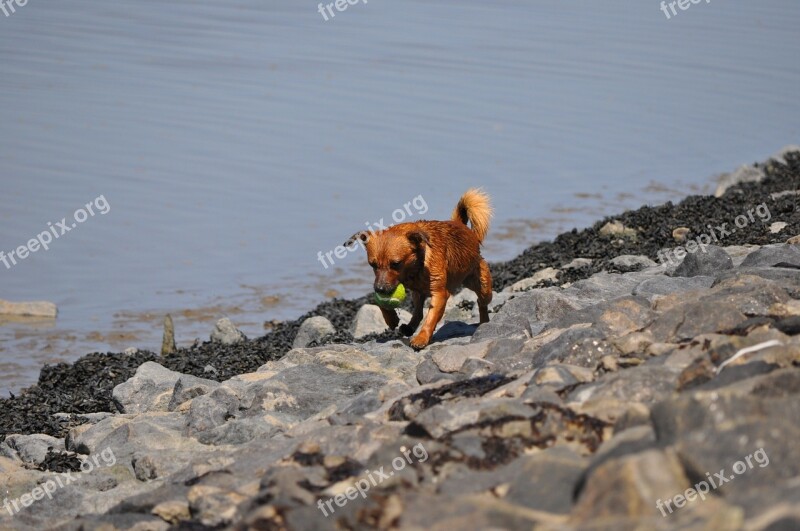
column 481, row 283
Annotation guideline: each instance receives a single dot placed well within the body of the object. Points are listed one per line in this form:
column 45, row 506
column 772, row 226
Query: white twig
column 748, row 350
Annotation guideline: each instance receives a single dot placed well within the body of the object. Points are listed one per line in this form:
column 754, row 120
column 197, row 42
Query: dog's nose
column 384, row 289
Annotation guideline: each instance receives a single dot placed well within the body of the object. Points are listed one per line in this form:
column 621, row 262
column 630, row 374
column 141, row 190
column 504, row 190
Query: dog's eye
column 395, row 265
column 373, row 265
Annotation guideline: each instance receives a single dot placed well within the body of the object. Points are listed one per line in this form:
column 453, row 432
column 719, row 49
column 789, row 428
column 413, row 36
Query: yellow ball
column 391, row 301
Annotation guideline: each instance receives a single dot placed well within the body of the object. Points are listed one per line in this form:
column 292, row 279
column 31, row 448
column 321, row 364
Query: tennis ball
column 391, row 301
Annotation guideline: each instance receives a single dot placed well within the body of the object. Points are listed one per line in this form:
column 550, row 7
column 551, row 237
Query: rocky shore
column 643, row 373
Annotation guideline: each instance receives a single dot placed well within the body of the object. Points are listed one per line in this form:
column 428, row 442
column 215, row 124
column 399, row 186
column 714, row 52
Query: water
column 234, row 141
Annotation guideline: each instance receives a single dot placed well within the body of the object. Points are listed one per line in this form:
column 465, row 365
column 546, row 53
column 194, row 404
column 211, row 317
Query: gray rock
column 772, row 255
column 451, row 358
column 556, row 377
column 505, row 325
column 739, row 252
column 536, row 306
column 663, row 285
column 617, row 229
column 708, row 262
column 116, row 521
column 442, row 419
column 155, row 464
column 297, row 393
column 645, row 384
column 602, row 287
column 428, row 372
column 226, row 333
column 614, row 317
column 623, row 493
column 786, row 276
column 588, row 353
column 369, row 320
column 29, row 309
column 579, row 263
column 680, row 234
column 545, row 275
column 715, row 430
column 392, row 359
column 460, row 306
column 688, row 321
column 150, row 389
column 237, row 432
column 535, row 394
column 353, row 411
column 189, row 387
column 751, row 297
column 463, row 306
column 504, row 348
column 313, row 329
column 470, row 512
column 30, row 449
column 630, row 262
column 498, row 301
column 209, row 411
column 580, row 343
column 475, row 368
column 563, row 469
column 124, row 434
column 168, row 339
column 776, row 227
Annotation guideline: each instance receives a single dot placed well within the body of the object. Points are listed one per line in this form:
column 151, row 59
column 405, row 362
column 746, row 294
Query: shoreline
column 655, row 233
column 598, row 366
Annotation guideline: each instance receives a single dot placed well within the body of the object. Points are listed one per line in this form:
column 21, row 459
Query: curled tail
column 474, row 207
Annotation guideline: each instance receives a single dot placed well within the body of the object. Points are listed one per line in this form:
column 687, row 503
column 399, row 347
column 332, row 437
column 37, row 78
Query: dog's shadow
column 454, row 329
column 449, row 330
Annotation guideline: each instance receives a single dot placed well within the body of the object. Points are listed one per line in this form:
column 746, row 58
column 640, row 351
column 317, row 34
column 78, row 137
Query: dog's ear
column 418, row 237
column 363, row 236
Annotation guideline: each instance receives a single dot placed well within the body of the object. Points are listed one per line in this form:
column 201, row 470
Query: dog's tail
column 474, row 207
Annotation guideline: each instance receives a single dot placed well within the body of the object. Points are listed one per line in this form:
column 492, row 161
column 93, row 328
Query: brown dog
column 432, row 259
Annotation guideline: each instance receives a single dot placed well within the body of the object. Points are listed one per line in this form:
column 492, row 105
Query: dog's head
column 395, row 254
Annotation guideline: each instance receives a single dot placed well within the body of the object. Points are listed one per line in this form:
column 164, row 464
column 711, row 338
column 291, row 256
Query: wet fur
column 432, row 259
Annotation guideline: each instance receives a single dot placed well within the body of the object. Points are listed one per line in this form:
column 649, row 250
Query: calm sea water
column 233, row 141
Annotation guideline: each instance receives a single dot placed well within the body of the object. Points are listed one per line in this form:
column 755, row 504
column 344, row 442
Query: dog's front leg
column 435, row 314
column 391, row 318
column 416, row 317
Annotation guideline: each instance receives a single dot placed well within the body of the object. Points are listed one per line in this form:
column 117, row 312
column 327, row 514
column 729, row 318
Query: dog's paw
column 419, row 343
column 406, row 330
